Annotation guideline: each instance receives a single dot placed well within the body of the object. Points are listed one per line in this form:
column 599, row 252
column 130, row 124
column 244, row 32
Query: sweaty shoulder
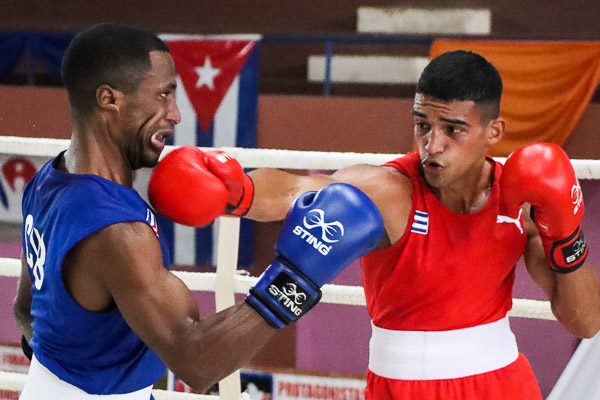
column 390, row 190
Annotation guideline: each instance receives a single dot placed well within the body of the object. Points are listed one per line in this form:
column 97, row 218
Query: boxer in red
column 439, row 285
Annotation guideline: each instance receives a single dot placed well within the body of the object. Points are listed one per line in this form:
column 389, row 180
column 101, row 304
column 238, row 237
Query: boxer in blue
column 96, row 302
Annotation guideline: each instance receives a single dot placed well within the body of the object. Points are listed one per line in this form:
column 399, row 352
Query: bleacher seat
column 390, row 69
column 424, row 21
column 368, row 69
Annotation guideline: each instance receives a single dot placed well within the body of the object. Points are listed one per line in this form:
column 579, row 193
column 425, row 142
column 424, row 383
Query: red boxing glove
column 542, row 175
column 239, row 186
column 184, row 190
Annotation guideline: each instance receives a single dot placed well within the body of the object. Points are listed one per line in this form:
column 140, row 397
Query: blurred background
column 332, row 75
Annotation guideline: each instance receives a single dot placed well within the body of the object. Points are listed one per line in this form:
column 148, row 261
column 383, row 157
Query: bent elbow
column 585, row 328
column 580, row 323
column 589, row 329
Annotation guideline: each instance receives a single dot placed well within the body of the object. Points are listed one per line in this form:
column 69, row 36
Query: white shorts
column 41, row 384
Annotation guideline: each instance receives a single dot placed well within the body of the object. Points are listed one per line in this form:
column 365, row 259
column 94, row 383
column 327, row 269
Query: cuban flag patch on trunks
column 420, row 224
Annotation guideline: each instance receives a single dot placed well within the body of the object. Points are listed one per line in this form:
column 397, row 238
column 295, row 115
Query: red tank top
column 448, row 270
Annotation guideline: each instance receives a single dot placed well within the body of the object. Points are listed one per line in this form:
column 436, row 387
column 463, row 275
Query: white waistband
column 41, row 383
column 423, row 355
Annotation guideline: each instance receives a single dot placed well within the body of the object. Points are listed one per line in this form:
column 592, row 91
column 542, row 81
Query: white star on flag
column 207, row 74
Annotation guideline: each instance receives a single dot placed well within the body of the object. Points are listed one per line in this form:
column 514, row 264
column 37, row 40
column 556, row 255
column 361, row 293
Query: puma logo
column 509, row 220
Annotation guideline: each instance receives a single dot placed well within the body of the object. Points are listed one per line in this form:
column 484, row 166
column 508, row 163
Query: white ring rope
column 262, row 158
column 332, row 294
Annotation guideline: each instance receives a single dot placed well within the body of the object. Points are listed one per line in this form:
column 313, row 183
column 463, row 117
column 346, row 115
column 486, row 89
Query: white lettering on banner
column 301, row 387
column 302, row 390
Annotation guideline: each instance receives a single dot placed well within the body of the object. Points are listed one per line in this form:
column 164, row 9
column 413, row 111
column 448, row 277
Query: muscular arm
column 22, row 302
column 275, row 191
column 125, row 262
column 574, row 297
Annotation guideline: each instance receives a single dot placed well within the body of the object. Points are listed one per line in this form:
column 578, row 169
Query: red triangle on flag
column 207, row 69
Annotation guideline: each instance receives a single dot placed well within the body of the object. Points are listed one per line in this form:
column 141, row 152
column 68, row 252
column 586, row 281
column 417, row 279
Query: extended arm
column 122, row 263
column 275, row 190
column 193, row 188
column 390, row 190
column 125, row 260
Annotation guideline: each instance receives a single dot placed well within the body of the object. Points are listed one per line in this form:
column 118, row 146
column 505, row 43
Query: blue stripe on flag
column 248, row 110
column 421, row 223
column 246, row 137
column 246, row 252
column 204, row 246
column 3, row 198
column 205, row 139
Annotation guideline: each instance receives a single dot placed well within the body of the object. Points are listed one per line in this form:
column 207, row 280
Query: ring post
column 227, row 258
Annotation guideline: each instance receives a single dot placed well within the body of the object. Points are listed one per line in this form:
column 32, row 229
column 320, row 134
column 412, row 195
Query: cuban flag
column 420, row 223
column 218, row 99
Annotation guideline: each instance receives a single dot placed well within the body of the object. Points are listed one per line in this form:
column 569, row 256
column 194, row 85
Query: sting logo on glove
column 285, row 291
column 291, row 285
column 570, row 253
column 317, row 220
column 329, row 231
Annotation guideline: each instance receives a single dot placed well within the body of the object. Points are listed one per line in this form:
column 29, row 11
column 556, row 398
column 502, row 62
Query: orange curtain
column 547, row 86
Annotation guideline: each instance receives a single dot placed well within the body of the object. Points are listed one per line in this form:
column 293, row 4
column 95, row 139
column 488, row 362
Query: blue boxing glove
column 322, row 234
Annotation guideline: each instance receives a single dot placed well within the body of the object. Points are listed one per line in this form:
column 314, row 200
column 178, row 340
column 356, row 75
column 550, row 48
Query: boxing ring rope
column 332, row 294
column 263, row 158
column 226, row 281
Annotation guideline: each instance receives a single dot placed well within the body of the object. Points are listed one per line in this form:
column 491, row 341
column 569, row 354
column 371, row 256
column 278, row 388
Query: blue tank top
column 94, row 351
